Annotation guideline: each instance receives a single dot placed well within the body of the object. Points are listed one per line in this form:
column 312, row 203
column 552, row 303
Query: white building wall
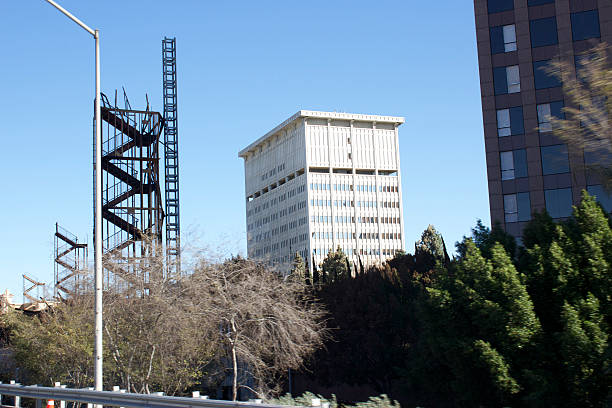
column 322, row 180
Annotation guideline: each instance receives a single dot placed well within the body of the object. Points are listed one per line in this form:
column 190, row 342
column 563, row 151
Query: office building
column 529, row 169
column 320, row 180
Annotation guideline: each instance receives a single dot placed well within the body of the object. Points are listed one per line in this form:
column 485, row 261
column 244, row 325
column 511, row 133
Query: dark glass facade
column 529, row 168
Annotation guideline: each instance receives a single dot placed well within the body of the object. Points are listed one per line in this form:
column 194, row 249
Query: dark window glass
column 554, row 159
column 559, row 202
column 500, row 81
column 585, row 25
column 556, row 110
column 543, row 79
column 601, row 157
column 543, row 32
column 580, row 61
column 524, row 206
column 604, row 198
column 520, row 164
column 497, row 40
column 516, row 120
column 495, row 6
column 538, row 2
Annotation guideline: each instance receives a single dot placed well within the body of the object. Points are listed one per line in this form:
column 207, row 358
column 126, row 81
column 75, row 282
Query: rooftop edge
column 323, row 115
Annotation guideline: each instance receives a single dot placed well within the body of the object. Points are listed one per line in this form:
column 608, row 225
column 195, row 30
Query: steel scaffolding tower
column 171, row 175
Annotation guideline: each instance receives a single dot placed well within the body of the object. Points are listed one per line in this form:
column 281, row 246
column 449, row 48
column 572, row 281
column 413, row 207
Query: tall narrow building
column 529, row 169
column 320, row 180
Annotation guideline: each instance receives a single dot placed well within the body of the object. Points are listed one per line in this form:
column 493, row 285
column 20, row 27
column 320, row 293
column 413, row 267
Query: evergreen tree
column 485, row 238
column 583, row 341
column 335, row 265
column 298, row 270
column 568, row 270
column 479, row 323
column 430, row 249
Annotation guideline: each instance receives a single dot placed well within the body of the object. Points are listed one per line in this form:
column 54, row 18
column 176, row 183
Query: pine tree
column 568, row 269
column 479, row 322
column 583, row 341
column 432, row 244
column 335, row 265
column 298, row 270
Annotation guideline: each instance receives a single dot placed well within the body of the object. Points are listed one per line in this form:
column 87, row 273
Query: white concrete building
column 320, row 180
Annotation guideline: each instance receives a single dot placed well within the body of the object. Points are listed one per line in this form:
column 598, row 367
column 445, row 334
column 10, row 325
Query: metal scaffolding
column 70, row 262
column 132, row 212
column 171, row 162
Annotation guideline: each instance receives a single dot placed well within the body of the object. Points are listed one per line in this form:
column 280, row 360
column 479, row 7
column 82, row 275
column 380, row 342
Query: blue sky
column 243, row 67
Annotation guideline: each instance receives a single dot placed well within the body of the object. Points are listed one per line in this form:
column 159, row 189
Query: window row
column 543, row 31
column 517, row 207
column 362, row 251
column 273, row 217
column 350, row 187
column 558, row 203
column 496, row 6
column 374, row 220
column 555, row 160
column 321, row 203
column 282, row 197
column 353, row 235
column 274, row 185
column 283, row 244
column 345, row 219
column 510, row 120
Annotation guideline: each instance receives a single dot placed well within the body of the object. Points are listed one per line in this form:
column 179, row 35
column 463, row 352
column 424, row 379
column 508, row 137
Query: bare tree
column 154, row 339
column 163, row 333
column 587, row 86
column 267, row 324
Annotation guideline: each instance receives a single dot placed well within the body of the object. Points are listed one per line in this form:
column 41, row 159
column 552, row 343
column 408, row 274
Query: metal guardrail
column 116, row 398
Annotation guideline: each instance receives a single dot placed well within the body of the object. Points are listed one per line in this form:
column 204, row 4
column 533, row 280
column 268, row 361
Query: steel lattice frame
column 171, row 161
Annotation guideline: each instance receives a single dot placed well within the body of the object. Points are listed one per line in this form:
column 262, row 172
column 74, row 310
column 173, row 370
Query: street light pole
column 98, row 207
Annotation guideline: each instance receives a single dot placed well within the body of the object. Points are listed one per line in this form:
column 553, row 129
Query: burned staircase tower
column 132, row 210
column 70, row 263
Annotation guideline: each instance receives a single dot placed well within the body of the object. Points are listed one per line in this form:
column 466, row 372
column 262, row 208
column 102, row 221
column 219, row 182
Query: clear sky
column 243, row 67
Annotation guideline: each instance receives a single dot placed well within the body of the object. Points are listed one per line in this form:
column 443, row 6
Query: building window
column 510, row 121
column 559, row 202
column 538, row 2
column 600, row 157
column 506, row 80
column 517, row 207
column 513, row 164
column 543, row 32
column 543, row 77
column 585, row 25
column 495, row 6
column 503, row 39
column 545, row 112
column 604, row 198
column 554, row 159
